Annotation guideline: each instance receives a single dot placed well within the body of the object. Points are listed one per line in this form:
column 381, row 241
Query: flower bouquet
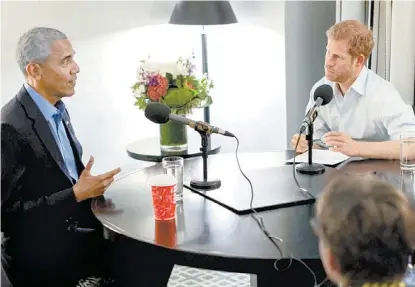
column 177, row 86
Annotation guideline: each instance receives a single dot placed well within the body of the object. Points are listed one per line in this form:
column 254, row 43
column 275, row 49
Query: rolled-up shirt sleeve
column 396, row 116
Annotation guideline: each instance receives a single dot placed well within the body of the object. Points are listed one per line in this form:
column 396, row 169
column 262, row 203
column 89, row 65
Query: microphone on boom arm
column 160, row 114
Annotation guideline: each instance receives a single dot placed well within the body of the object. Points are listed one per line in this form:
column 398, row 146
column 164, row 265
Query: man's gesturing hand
column 343, row 143
column 91, row 186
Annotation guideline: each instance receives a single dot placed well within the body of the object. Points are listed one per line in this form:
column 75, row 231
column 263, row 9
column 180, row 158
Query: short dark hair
column 369, row 227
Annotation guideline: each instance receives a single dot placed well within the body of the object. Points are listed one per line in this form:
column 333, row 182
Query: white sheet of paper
column 327, row 157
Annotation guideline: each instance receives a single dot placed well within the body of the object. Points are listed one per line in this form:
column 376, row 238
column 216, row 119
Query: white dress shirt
column 371, row 110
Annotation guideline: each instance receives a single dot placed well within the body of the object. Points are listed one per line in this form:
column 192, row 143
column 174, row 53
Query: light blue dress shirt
column 371, row 110
column 54, row 117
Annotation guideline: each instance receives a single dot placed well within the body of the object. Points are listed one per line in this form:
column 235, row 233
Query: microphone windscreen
column 325, row 92
column 157, row 113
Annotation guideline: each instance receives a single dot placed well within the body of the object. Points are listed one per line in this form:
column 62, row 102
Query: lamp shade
column 203, row 13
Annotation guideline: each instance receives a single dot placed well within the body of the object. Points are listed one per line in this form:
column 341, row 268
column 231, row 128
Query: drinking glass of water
column 409, row 278
column 173, row 165
column 408, row 183
column 408, row 151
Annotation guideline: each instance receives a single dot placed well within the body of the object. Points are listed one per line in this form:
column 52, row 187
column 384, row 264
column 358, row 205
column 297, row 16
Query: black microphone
column 160, row 114
column 322, row 96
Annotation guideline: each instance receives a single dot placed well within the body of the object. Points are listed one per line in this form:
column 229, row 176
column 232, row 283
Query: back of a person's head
column 358, row 36
column 368, row 227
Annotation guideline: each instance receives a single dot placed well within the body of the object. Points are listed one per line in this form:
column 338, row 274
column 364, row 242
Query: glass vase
column 173, row 137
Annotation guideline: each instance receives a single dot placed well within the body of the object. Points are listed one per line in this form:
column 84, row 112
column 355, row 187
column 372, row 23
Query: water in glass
column 409, row 278
column 173, row 165
column 408, row 151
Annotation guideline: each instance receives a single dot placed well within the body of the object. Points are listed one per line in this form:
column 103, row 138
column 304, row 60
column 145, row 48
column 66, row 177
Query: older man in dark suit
column 52, row 237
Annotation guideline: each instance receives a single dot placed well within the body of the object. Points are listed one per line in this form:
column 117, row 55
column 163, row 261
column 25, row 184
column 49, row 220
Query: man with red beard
column 367, row 114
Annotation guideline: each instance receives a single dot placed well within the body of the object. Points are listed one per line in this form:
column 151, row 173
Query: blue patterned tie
column 65, row 146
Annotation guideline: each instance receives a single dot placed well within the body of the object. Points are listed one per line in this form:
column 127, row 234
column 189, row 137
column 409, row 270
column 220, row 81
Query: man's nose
column 329, row 62
column 76, row 68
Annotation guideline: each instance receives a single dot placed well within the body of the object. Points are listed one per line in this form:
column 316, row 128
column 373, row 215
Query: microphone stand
column 310, row 168
column 205, row 183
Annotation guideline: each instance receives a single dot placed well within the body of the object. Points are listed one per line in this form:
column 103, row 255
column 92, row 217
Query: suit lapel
column 42, row 129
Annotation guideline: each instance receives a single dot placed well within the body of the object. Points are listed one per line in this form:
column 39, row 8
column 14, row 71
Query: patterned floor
column 185, row 277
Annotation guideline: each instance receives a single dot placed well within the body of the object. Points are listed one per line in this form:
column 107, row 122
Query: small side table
column 149, row 149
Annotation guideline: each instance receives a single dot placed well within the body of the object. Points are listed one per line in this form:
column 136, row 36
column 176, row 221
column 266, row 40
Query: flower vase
column 173, row 137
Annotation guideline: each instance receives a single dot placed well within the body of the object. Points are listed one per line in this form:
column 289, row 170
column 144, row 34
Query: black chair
column 5, row 282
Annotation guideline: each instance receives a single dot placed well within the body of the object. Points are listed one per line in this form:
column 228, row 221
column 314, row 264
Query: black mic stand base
column 205, row 184
column 310, row 169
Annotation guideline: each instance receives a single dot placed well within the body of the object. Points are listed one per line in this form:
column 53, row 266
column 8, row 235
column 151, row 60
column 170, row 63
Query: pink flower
column 159, row 88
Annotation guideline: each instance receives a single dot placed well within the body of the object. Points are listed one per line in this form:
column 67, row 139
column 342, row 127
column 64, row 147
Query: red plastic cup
column 165, row 233
column 162, row 189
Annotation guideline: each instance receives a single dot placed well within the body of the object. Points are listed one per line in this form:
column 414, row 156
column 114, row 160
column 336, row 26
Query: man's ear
column 34, row 70
column 334, row 266
column 360, row 61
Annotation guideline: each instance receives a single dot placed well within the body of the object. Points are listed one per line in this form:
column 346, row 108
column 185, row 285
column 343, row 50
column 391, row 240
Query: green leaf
column 206, row 102
column 169, row 78
column 187, row 109
column 178, row 97
column 135, row 86
column 141, row 103
column 195, row 84
column 179, row 81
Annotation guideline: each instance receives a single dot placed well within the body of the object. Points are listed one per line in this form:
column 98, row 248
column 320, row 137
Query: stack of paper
column 326, row 157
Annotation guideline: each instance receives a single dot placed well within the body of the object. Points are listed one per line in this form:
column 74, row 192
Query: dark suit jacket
column 38, row 205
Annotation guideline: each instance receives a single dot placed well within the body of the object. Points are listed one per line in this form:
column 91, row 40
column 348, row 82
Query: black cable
column 260, row 221
column 302, row 189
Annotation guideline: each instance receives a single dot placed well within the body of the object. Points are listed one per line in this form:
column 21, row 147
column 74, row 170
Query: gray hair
column 35, row 45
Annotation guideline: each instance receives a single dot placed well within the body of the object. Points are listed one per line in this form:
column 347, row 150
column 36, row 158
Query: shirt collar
column 46, row 108
column 359, row 84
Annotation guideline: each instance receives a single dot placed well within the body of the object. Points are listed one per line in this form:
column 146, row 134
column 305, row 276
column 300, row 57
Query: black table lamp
column 203, row 13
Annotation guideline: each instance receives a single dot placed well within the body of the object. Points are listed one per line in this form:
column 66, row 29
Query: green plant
column 175, row 85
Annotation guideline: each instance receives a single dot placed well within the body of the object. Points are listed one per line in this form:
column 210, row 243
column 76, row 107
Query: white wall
column 102, row 113
column 109, row 38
